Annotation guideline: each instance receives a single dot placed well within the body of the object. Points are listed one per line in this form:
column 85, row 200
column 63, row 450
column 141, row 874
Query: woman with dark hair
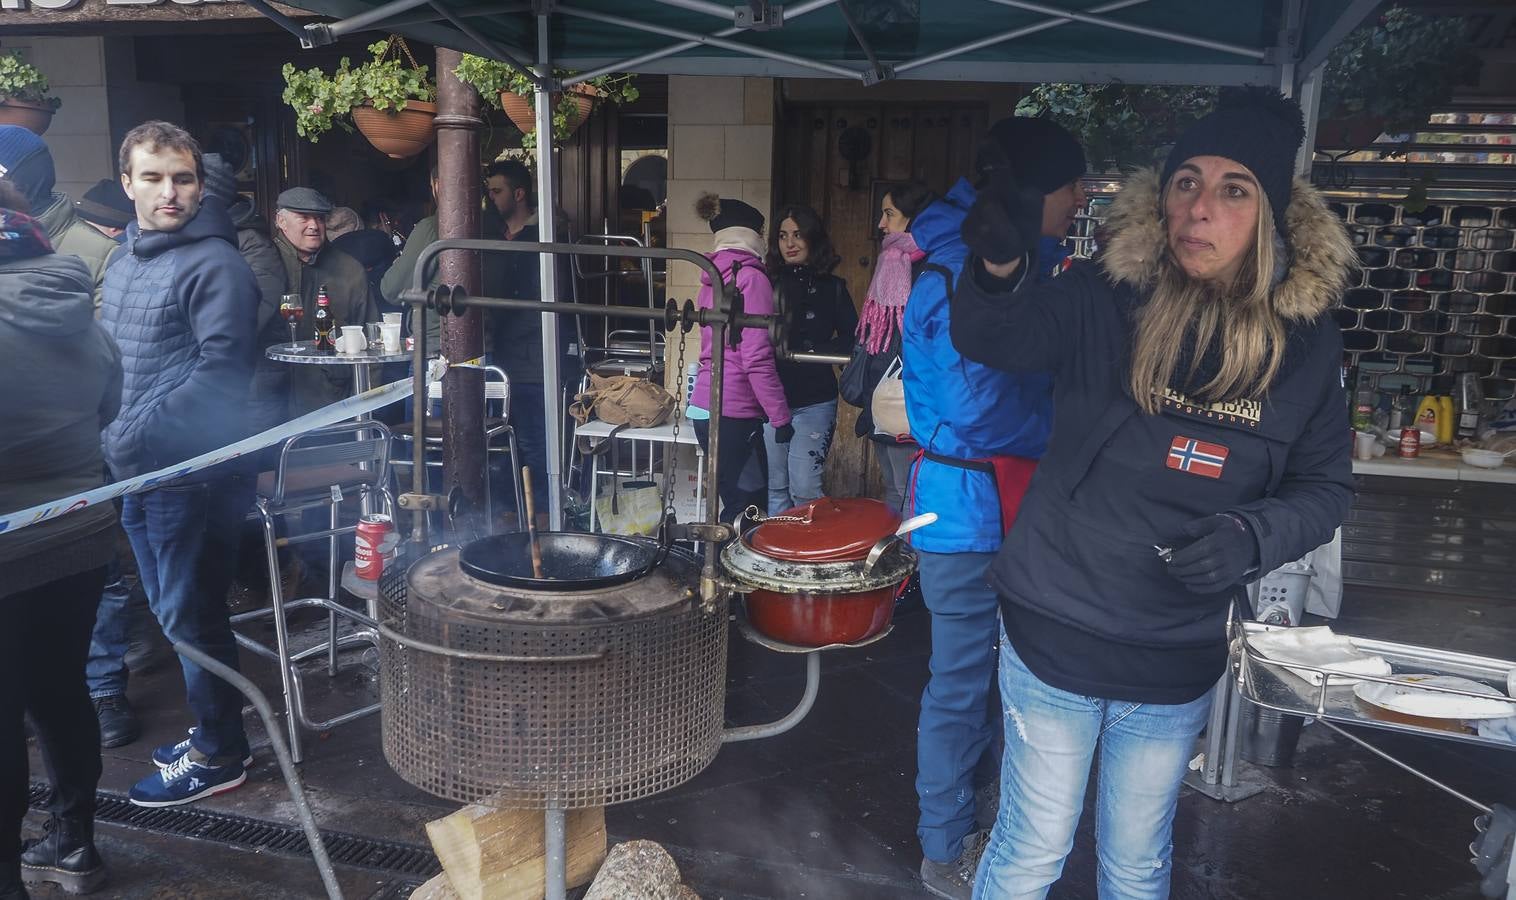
column 821, row 318
column 898, row 265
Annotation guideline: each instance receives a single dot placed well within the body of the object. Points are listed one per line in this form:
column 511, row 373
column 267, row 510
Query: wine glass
column 293, row 311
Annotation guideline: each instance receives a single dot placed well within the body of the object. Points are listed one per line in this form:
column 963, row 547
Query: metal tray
column 1271, row 685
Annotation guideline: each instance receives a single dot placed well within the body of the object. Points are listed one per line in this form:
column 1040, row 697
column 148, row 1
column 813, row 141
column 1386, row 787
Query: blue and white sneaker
column 186, row 780
column 168, row 754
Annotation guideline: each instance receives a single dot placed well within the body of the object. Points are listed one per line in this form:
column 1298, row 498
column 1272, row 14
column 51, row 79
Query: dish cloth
column 1318, row 647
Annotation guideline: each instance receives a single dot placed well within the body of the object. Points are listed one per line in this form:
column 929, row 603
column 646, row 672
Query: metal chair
column 319, row 468
column 497, row 422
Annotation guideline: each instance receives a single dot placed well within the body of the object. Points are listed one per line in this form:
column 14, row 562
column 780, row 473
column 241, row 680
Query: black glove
column 784, row 433
column 1005, row 221
column 1223, row 553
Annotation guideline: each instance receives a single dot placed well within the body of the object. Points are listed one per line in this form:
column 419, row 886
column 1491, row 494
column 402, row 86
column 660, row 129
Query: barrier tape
column 341, row 411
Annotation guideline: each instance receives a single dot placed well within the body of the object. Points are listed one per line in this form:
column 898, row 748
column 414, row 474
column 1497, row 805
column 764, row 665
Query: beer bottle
column 324, row 322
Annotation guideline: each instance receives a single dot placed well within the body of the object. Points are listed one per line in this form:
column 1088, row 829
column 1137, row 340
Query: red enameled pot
column 808, row 574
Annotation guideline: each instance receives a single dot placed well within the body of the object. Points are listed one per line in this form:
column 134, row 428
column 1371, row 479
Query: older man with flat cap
column 309, row 263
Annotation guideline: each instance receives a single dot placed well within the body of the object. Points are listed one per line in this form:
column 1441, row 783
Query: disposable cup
column 390, row 335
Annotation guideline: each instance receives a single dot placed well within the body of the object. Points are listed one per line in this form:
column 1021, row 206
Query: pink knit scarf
column 884, row 304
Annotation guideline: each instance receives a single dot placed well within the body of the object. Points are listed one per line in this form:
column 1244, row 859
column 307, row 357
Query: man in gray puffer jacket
column 63, row 384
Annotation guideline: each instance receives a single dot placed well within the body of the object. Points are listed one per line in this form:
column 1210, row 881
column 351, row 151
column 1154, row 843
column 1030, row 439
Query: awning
column 1274, row 42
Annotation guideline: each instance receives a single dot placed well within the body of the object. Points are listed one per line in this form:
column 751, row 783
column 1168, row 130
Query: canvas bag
column 888, row 404
column 623, row 400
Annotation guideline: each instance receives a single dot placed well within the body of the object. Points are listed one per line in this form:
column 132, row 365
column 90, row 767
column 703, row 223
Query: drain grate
column 390, row 857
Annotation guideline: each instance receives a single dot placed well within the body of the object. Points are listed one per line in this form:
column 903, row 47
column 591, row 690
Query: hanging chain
column 756, row 514
column 399, row 41
column 673, row 465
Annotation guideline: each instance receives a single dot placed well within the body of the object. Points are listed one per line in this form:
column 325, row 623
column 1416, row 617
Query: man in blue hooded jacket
column 182, row 305
column 981, row 431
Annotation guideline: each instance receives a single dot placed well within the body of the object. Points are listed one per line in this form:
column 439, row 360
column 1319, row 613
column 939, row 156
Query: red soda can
column 373, row 542
column 1410, row 443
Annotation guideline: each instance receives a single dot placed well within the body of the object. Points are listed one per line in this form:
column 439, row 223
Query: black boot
column 11, row 887
column 118, row 724
column 65, row 856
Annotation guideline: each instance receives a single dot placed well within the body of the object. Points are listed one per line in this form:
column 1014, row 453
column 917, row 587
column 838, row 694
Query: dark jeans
column 739, row 438
column 186, row 540
column 529, row 419
column 43, row 644
column 105, row 670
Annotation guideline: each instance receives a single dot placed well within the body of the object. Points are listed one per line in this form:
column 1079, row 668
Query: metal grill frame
column 642, row 715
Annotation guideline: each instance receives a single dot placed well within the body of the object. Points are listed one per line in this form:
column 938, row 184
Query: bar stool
column 320, row 468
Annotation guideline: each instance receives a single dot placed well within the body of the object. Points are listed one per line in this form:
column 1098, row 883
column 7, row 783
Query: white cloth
column 738, row 237
column 1320, row 648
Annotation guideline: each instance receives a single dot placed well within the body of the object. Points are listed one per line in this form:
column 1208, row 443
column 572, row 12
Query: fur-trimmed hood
column 1320, row 252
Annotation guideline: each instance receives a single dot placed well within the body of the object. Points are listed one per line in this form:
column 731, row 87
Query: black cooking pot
column 570, row 561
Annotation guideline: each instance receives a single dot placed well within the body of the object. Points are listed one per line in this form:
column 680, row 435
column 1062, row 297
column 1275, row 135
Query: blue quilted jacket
column 182, row 306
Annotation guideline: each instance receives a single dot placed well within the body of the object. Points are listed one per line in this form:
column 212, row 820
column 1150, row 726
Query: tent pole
column 1004, row 36
column 547, row 214
column 701, row 6
column 1356, row 12
column 627, row 65
column 1235, row 49
column 486, row 46
column 1310, row 107
column 708, row 40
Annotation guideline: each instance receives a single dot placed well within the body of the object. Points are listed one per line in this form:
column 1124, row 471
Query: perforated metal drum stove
column 607, row 689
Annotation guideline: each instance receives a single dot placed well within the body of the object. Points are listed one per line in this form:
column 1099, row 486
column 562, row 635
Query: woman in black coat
column 1200, row 439
column 821, row 318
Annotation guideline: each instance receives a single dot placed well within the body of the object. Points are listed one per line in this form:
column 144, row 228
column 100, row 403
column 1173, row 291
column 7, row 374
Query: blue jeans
column 956, row 726
column 105, row 669
column 1051, row 739
column 185, row 538
column 795, row 468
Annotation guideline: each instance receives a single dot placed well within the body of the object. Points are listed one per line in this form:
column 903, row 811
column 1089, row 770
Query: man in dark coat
column 181, row 303
column 309, row 263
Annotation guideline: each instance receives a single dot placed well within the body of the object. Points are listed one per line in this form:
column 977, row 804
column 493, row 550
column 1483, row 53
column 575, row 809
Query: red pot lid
column 837, row 530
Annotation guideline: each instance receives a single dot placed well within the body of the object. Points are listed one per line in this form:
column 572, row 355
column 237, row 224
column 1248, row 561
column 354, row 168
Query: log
column 498, row 854
column 439, row 888
column 637, row 870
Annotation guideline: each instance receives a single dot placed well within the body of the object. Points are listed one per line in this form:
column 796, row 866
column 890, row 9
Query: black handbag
column 855, row 384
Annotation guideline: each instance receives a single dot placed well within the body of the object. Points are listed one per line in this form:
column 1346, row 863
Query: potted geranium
column 24, row 96
column 1120, row 125
column 390, row 100
column 1390, row 74
column 507, row 88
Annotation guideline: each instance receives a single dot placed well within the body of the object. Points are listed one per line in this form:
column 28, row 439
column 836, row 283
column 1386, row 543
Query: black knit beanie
column 1257, row 127
column 727, row 213
column 1038, row 153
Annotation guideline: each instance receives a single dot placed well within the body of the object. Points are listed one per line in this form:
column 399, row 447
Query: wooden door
column 930, row 143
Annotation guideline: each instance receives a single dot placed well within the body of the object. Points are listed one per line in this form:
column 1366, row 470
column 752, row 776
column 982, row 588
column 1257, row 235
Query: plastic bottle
column 1427, row 414
column 1446, row 420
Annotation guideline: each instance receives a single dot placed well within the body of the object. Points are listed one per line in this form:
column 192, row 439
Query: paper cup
column 353, row 340
column 390, row 335
column 1363, row 444
column 393, row 319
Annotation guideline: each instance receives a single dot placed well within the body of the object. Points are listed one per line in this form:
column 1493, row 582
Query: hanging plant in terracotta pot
column 1387, row 76
column 24, row 96
column 390, row 99
column 507, row 88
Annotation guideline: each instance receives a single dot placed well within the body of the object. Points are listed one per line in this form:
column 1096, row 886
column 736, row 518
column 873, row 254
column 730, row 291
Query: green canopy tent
column 1267, row 42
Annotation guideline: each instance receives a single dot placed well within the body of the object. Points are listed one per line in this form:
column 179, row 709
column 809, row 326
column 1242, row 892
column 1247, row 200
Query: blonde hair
column 1251, row 331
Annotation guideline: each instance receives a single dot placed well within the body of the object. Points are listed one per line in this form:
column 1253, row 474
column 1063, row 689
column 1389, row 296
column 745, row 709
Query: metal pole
column 463, row 457
column 776, row 728
column 281, row 753
column 547, row 200
column 734, row 46
column 555, row 859
column 1310, row 108
column 1004, row 36
column 1115, row 25
column 791, row 13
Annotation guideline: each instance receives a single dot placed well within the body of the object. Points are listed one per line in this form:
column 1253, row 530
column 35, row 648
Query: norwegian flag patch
column 1197, row 457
